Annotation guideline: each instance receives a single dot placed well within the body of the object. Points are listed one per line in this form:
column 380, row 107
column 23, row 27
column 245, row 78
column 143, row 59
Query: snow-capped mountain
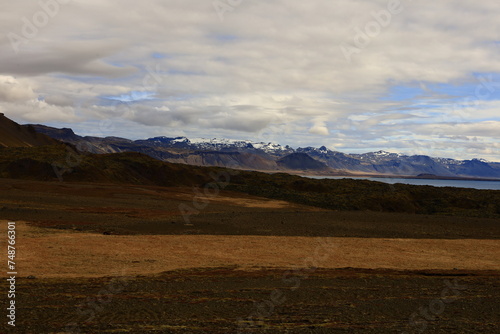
column 217, row 144
column 377, row 156
column 248, row 154
column 272, row 148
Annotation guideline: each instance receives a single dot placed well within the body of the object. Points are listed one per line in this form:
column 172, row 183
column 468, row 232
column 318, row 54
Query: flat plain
column 105, row 258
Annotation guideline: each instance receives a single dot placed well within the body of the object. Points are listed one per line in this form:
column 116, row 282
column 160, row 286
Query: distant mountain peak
column 382, row 153
column 262, row 155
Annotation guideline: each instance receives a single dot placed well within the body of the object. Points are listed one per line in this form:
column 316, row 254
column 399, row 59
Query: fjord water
column 491, row 185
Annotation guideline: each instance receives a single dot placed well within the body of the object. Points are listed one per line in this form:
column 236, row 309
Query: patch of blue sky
column 133, row 96
column 485, row 86
column 160, row 55
column 184, row 72
column 488, row 82
column 403, row 93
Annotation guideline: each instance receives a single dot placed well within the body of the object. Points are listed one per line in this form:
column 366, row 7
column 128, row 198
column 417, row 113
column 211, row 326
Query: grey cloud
column 72, row 57
column 60, row 100
column 269, row 65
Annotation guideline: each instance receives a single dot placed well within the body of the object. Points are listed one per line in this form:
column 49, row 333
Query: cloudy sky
column 418, row 77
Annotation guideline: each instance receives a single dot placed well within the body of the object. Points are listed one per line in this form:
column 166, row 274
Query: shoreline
column 383, row 176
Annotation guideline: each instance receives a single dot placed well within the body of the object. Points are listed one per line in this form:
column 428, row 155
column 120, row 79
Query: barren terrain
column 51, row 253
column 240, row 264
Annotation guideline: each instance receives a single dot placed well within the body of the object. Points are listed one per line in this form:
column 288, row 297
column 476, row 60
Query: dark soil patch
column 267, row 301
column 155, row 210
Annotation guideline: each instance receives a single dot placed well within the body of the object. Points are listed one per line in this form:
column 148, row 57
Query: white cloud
column 36, row 111
column 13, row 90
column 272, row 68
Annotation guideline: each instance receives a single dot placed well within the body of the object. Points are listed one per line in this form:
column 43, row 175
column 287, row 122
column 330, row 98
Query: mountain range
column 248, row 155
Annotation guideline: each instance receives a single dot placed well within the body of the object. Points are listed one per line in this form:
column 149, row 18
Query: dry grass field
column 101, row 258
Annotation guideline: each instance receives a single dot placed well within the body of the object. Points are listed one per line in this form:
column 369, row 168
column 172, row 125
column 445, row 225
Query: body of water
column 491, row 185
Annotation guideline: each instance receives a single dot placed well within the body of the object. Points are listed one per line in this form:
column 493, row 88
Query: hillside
column 15, row 135
column 301, row 161
column 61, row 162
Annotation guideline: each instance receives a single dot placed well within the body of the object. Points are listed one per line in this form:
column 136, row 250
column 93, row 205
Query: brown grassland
column 128, row 244
column 116, row 258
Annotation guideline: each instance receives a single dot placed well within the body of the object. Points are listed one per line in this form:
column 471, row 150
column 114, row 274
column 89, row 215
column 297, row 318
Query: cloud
column 39, row 112
column 13, row 90
column 273, row 68
column 59, row 100
column 72, row 57
column 319, row 128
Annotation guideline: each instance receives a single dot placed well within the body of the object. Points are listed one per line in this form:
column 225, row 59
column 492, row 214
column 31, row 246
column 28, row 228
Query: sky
column 414, row 77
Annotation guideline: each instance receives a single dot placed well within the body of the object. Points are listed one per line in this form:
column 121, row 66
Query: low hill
column 301, row 161
column 15, row 135
column 63, row 163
